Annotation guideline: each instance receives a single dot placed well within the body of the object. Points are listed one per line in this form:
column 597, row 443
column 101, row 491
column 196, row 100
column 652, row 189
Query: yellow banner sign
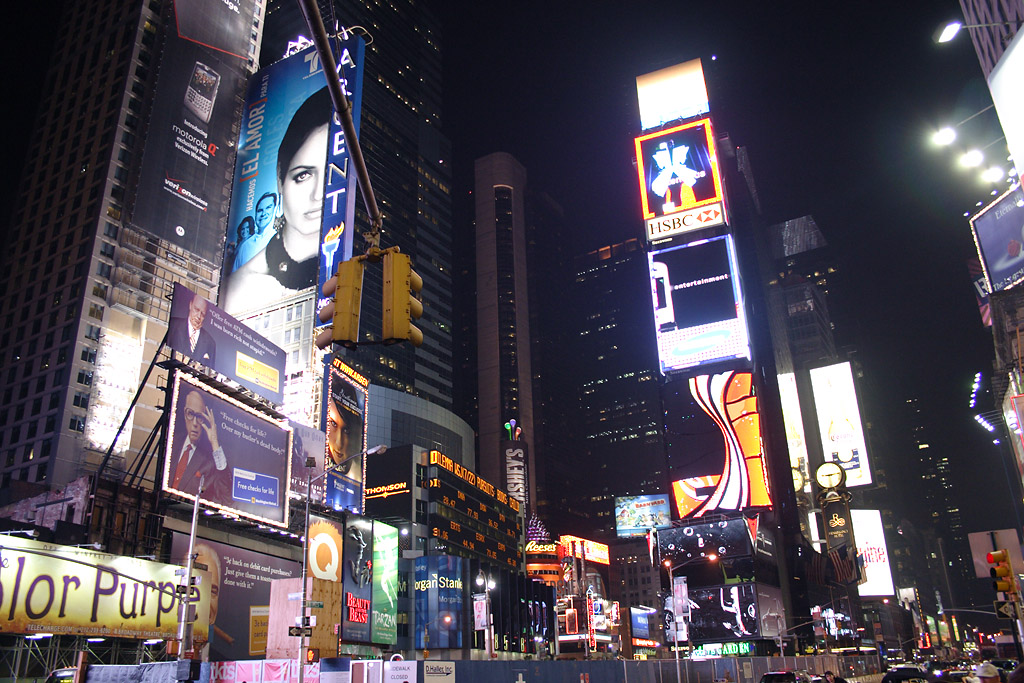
column 46, row 588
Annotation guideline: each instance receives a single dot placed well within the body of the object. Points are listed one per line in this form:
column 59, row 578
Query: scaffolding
column 32, row 658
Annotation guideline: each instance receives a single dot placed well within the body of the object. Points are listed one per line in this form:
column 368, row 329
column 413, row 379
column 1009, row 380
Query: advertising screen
column 670, row 94
column 240, row 609
column 999, row 236
column 207, row 334
column 389, row 477
column 739, row 479
column 724, row 612
column 47, row 588
column 347, row 403
column 636, row 515
column 291, row 182
column 868, row 531
column 439, row 591
column 680, row 185
column 794, row 421
column 242, row 456
column 384, row 627
column 189, row 143
column 698, row 307
column 643, row 621
column 725, row 538
column 839, row 423
column 1004, row 84
column 591, row 551
column 357, row 579
column 307, row 442
column 516, row 465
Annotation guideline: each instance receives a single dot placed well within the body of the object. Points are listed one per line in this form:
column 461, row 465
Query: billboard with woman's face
column 293, row 194
column 346, row 409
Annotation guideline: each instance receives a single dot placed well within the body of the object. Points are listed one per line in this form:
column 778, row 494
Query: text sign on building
column 516, row 482
column 998, row 237
column 871, row 548
column 839, row 423
column 680, row 182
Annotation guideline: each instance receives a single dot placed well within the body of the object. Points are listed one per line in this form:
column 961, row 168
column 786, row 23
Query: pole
column 305, row 556
column 185, row 618
column 675, row 616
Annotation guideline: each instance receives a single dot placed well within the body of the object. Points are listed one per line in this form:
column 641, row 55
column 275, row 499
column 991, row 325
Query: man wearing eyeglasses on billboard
column 197, row 452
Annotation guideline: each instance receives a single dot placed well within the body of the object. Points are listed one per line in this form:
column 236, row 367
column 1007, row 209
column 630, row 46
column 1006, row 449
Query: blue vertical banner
column 336, row 239
column 439, row 598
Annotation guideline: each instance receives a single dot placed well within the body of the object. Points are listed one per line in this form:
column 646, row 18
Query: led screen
column 346, row 405
column 1004, row 84
column 592, row 550
column 999, row 235
column 725, row 538
column 794, row 421
column 723, row 612
column 241, row 456
column 867, row 529
column 738, row 478
column 839, row 423
column 680, row 185
column 698, row 308
column 643, row 621
column 636, row 515
column 670, row 94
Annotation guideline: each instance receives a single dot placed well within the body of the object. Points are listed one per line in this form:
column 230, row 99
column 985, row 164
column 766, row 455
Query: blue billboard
column 439, row 592
column 636, row 515
column 999, row 237
column 293, row 195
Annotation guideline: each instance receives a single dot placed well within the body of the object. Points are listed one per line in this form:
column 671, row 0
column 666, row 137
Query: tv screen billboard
column 871, row 547
column 794, row 422
column 307, row 442
column 643, row 621
column 207, row 334
column 680, row 184
column 698, row 308
column 999, row 236
column 725, row 538
column 839, row 423
column 670, row 94
column 724, row 612
column 346, row 404
column 636, row 515
column 242, row 456
column 189, row 146
column 291, row 182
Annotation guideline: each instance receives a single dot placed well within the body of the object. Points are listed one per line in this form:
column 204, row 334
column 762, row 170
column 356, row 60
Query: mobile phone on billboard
column 202, row 91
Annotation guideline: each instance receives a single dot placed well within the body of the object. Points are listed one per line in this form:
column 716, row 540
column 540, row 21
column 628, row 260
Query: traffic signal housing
column 401, row 306
column 312, row 655
column 342, row 311
column 1002, row 573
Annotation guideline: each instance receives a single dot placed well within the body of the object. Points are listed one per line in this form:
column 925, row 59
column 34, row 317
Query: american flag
column 842, row 564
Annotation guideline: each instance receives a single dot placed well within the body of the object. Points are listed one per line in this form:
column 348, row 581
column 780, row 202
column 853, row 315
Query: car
column 1006, row 665
column 64, row 675
column 909, row 673
column 786, row 677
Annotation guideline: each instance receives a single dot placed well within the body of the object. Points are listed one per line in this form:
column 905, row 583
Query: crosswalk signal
column 401, row 306
column 312, row 655
column 1002, row 573
column 342, row 311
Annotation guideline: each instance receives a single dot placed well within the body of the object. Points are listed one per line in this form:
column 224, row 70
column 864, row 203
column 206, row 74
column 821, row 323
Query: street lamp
column 447, row 619
column 487, row 584
column 310, row 480
column 949, row 32
column 676, row 608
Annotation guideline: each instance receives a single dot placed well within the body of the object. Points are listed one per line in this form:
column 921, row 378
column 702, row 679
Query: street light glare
column 992, row 175
column 948, row 33
column 712, row 557
column 972, row 159
column 944, row 136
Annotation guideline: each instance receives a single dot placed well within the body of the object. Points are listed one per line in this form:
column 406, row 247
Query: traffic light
column 1001, row 573
column 312, row 655
column 401, row 307
column 343, row 309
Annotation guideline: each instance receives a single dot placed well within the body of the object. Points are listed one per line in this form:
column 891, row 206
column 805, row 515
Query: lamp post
column 447, row 619
column 310, row 480
column 676, row 608
column 487, row 583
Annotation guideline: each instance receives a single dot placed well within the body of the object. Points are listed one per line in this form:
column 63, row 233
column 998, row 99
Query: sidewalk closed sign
column 438, row 672
column 404, row 672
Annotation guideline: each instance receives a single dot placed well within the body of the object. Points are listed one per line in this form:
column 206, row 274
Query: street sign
column 316, row 604
column 1004, row 609
column 294, row 596
column 200, row 566
column 300, row 631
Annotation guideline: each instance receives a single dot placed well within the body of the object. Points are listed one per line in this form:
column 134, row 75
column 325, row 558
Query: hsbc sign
column 685, row 221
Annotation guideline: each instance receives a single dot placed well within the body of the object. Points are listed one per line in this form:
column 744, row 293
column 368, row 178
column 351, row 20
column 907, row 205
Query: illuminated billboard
column 839, row 423
column 999, row 239
column 739, row 480
column 438, row 595
column 291, row 183
column 680, row 185
column 698, row 307
column 670, row 94
column 636, row 515
column 347, row 403
column 1004, row 84
column 207, row 334
column 591, row 551
column 724, row 612
column 241, row 456
column 794, row 422
column 725, row 538
column 46, row 588
column 307, row 442
column 871, row 548
column 189, row 146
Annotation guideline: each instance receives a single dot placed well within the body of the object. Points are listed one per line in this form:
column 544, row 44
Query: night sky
column 834, row 103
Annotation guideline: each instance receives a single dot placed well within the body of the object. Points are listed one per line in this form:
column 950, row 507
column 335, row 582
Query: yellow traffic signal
column 343, row 309
column 1002, row 573
column 401, row 307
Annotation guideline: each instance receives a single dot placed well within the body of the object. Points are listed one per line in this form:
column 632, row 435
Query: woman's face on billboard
column 302, row 187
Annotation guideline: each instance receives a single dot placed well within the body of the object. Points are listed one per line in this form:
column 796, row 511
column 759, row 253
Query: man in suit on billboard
column 188, row 336
column 198, row 452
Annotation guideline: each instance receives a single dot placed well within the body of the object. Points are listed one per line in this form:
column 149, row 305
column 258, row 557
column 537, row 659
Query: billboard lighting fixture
column 993, row 175
column 972, row 158
column 984, row 423
column 944, row 136
column 39, row 636
column 95, row 640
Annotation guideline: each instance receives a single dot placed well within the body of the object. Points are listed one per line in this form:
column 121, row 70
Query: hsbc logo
column 685, row 221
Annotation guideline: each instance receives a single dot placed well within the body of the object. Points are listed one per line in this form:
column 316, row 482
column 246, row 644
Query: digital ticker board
column 470, row 513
